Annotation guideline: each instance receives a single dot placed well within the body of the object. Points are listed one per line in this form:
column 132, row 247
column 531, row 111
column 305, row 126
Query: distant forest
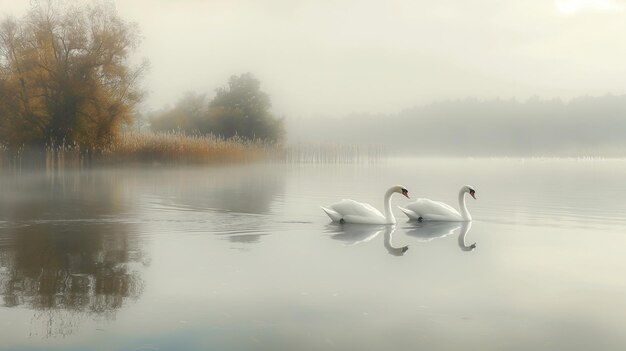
column 585, row 126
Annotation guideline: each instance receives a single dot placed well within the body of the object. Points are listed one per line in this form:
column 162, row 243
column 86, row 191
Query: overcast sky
column 334, row 57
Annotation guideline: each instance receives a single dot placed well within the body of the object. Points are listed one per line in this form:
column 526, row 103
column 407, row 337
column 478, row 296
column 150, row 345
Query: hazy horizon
column 334, row 58
column 279, row 186
column 584, row 126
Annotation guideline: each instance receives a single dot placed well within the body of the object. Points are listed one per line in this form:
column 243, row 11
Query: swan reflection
column 396, row 251
column 353, row 234
column 427, row 231
column 465, row 228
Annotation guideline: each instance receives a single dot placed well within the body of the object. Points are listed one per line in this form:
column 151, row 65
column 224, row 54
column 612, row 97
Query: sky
column 336, row 57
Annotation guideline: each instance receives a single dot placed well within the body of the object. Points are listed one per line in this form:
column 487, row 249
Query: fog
column 196, row 235
column 585, row 126
column 331, row 59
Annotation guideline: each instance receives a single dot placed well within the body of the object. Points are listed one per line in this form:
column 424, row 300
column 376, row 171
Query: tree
column 242, row 109
column 65, row 74
column 189, row 115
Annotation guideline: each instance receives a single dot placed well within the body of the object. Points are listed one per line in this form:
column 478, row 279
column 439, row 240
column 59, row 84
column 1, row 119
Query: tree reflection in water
column 69, row 247
column 48, row 267
column 61, row 253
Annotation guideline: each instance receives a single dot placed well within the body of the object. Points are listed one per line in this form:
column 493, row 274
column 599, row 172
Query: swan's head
column 401, row 190
column 470, row 190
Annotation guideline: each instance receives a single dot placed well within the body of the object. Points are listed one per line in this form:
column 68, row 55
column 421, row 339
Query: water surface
column 242, row 257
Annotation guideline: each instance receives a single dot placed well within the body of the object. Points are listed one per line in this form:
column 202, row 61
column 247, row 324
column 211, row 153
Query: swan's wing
column 411, row 214
column 433, row 210
column 371, row 219
column 446, row 218
column 347, row 207
column 334, row 216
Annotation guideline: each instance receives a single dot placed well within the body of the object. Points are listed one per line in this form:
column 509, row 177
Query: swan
column 350, row 211
column 429, row 210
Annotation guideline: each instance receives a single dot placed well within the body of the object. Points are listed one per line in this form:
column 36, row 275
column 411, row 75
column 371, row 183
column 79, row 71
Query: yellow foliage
column 65, row 76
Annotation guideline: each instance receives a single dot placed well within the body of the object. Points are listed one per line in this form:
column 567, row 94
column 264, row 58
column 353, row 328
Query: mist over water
column 178, row 207
column 242, row 257
column 586, row 126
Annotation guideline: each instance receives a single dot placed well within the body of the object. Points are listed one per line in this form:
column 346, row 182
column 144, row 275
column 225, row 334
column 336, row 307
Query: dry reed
column 141, row 148
column 178, row 147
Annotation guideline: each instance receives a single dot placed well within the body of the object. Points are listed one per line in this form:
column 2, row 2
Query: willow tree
column 66, row 76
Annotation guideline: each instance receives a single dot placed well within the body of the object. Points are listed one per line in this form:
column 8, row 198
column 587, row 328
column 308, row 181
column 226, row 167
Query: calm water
column 232, row 258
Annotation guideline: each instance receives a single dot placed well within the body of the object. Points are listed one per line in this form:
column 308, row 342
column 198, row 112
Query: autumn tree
column 242, row 109
column 65, row 74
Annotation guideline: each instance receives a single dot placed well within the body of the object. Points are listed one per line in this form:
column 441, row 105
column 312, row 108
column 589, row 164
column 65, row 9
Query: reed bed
column 178, row 147
column 145, row 148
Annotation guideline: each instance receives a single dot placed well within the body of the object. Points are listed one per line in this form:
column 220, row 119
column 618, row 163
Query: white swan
column 429, row 210
column 350, row 211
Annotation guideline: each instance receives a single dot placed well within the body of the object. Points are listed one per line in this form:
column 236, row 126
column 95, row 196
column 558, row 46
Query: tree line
column 583, row 126
column 240, row 109
column 66, row 77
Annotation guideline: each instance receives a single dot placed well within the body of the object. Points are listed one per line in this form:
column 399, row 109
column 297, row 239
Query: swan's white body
column 350, row 211
column 429, row 210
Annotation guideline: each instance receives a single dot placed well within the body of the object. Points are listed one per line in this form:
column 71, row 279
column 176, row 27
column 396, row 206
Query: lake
column 242, row 258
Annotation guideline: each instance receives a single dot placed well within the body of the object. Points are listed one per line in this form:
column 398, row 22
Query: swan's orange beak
column 405, row 193
column 473, row 194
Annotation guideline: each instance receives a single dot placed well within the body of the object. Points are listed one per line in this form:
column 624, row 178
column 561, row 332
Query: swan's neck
column 464, row 212
column 388, row 213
